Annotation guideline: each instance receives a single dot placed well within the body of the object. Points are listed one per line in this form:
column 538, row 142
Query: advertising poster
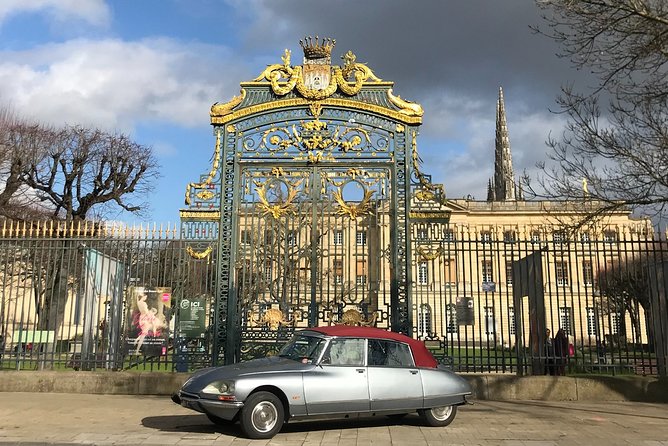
column 148, row 326
column 192, row 317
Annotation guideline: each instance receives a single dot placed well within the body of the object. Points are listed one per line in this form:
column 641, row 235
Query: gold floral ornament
column 280, row 207
column 352, row 317
column 429, row 254
column 205, row 195
column 273, row 318
column 354, row 211
column 199, row 255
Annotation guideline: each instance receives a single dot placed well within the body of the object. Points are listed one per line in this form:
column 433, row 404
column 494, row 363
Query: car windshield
column 303, row 348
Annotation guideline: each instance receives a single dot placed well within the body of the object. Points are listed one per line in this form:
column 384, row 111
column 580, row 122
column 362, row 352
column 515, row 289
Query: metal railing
column 91, row 297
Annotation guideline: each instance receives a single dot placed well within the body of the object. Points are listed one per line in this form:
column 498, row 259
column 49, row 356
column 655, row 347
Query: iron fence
column 93, row 297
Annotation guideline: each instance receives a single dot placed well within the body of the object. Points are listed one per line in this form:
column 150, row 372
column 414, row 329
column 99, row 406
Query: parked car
column 328, row 372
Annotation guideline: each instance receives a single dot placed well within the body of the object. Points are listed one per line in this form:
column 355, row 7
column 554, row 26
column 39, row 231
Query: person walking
column 560, row 352
column 549, row 353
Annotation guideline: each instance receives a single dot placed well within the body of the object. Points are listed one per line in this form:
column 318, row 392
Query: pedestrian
column 560, row 352
column 549, row 353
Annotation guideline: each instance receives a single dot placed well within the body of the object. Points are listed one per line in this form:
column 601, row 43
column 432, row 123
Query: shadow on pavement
column 200, row 424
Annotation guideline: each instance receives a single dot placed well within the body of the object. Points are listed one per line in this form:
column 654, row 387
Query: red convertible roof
column 423, row 357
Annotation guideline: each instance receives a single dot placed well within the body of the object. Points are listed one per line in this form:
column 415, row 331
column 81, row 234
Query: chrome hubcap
column 264, row 416
column 441, row 413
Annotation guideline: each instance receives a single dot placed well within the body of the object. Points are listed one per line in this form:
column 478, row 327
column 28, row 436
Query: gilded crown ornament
column 313, row 49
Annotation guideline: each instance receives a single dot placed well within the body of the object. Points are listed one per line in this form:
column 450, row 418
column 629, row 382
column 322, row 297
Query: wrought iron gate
column 312, row 179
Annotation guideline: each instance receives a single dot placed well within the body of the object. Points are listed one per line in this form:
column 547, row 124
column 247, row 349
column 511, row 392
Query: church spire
column 504, row 177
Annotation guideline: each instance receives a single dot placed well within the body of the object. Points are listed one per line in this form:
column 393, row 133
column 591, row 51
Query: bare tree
column 20, row 140
column 614, row 156
column 85, row 169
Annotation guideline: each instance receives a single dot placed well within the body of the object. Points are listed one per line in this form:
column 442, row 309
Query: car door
column 394, row 381
column 339, row 383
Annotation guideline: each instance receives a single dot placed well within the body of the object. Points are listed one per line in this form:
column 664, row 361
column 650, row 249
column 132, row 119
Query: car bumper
column 226, row 410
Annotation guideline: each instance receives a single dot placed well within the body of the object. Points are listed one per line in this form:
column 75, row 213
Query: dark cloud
column 449, row 56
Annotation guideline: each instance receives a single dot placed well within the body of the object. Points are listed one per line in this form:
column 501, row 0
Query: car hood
column 272, row 364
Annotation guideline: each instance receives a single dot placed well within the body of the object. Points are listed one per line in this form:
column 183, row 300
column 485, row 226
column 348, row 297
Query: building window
column 450, row 271
column 509, row 272
column 535, row 236
column 592, row 322
column 490, row 322
column 584, row 237
column 246, row 237
column 267, row 270
column 559, row 237
column 511, row 320
column 486, row 236
column 268, row 237
column 486, row 271
column 424, row 320
column 338, row 237
column 360, row 276
column 509, row 237
column 615, row 323
column 566, row 319
column 587, row 273
column 449, row 235
column 338, row 271
column 561, row 267
column 423, row 234
column 610, row 236
column 361, row 238
column 291, row 238
column 422, row 273
column 451, row 318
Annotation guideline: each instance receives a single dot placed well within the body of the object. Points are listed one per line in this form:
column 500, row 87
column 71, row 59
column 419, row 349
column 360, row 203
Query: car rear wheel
column 262, row 415
column 439, row 416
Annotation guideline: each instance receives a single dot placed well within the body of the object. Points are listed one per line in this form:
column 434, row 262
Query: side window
column 345, row 352
column 389, row 354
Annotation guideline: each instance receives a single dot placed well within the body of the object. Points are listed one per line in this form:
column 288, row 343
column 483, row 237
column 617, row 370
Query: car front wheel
column 439, row 416
column 262, row 415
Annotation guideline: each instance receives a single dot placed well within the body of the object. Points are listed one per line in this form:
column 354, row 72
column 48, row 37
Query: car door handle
column 414, row 372
column 360, row 370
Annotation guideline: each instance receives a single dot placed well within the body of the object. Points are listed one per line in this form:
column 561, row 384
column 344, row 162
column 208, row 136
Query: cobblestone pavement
column 58, row 419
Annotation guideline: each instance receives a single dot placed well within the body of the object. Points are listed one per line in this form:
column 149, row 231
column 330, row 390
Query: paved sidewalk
column 58, row 419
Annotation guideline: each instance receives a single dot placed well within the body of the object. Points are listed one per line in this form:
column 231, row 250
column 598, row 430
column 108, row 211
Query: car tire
column 217, row 420
column 262, row 415
column 439, row 416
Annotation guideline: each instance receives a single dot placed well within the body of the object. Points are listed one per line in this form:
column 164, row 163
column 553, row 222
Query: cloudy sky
column 152, row 68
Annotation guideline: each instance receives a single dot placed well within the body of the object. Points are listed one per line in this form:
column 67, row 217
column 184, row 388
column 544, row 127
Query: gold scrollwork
column 429, row 254
column 285, row 78
column 354, row 211
column 279, row 208
column 436, row 189
column 212, row 172
column 424, row 195
column 218, row 110
column 406, row 107
column 199, row 255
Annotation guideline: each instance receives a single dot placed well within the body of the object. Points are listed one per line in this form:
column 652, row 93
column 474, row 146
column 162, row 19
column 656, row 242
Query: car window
column 302, row 348
column 389, row 354
column 345, row 352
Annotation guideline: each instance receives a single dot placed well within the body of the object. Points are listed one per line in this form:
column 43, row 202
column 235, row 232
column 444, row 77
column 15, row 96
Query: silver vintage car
column 328, row 372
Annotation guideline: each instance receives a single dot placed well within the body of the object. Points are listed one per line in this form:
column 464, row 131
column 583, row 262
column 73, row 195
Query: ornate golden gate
column 308, row 201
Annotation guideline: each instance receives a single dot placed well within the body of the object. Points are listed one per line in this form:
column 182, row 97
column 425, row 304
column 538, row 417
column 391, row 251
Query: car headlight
column 219, row 388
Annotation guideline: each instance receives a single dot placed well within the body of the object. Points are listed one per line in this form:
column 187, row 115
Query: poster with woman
column 148, row 320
